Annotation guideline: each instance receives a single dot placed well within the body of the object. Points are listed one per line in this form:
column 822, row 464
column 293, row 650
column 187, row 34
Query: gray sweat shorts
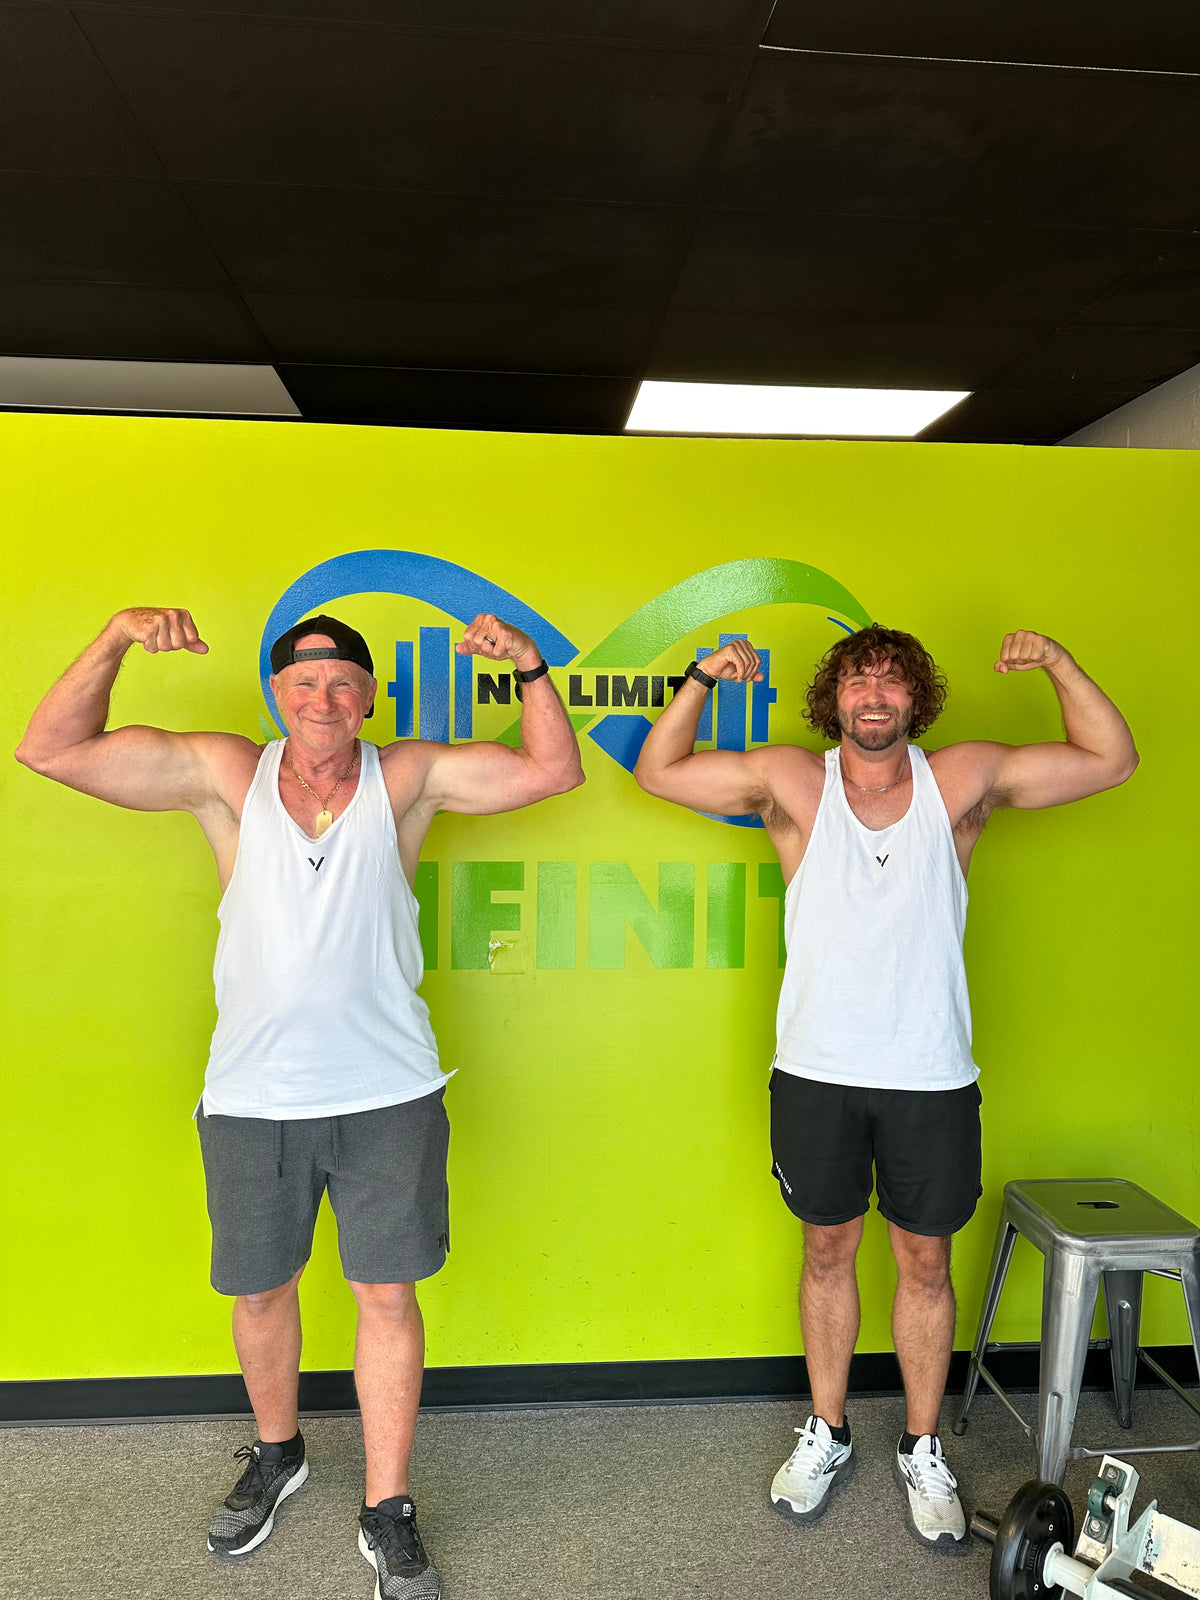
column 386, row 1175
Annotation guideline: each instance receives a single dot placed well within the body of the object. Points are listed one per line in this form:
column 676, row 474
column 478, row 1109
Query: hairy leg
column 829, row 1314
column 389, row 1359
column 266, row 1336
column 922, row 1323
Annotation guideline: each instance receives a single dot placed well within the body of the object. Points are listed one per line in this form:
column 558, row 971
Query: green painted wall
column 611, row 1197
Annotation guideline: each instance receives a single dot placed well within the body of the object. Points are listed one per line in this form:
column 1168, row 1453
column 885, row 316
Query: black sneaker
column 388, row 1539
column 244, row 1519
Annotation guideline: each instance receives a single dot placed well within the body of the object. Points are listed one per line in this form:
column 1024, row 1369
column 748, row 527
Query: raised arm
column 1096, row 752
column 481, row 777
column 728, row 782
column 144, row 769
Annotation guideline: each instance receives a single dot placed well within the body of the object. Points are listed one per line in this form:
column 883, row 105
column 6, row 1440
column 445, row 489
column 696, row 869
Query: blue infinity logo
column 637, row 642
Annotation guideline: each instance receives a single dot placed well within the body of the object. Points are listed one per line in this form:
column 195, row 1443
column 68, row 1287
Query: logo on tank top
column 315, row 865
column 883, row 860
column 434, row 690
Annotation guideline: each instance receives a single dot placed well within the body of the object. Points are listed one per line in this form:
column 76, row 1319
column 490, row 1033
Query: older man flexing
column 323, row 1071
column 873, row 1067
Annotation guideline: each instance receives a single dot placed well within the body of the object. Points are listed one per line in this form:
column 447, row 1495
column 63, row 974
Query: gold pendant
column 324, row 818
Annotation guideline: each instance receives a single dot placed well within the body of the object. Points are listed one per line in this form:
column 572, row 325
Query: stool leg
column 1190, row 1277
column 1006, row 1237
column 1123, row 1303
column 1069, row 1286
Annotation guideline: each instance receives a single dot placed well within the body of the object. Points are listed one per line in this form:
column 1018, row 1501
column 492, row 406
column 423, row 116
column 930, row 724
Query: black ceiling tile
column 680, row 22
column 58, row 113
column 128, row 230
column 1165, row 293
column 256, row 102
column 1020, row 416
column 401, row 245
column 1005, row 144
column 122, row 322
column 884, row 267
column 423, row 333
column 505, row 402
column 741, row 348
column 1089, row 357
column 1161, row 35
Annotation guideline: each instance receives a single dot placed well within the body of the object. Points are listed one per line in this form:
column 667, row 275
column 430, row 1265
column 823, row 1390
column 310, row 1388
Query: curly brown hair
column 871, row 647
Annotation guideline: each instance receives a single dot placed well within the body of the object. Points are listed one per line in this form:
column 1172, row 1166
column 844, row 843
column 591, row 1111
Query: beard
column 869, row 737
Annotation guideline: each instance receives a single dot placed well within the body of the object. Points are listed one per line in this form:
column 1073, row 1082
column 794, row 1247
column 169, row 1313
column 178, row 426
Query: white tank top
column 874, row 991
column 318, row 963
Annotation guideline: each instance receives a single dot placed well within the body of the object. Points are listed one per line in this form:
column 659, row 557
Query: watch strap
column 694, row 670
column 539, row 671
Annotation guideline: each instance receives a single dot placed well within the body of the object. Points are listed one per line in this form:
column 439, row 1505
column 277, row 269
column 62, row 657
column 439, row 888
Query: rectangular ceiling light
column 197, row 388
column 766, row 408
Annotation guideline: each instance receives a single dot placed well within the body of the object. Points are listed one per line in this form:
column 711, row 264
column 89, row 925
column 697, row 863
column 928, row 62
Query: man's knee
column 393, row 1300
column 267, row 1301
column 830, row 1250
column 922, row 1262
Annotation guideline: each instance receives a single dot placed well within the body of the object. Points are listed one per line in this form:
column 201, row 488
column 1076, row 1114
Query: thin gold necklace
column 863, row 786
column 324, row 816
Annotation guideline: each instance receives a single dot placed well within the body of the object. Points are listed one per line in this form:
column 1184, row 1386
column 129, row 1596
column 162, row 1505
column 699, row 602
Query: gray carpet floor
column 596, row 1503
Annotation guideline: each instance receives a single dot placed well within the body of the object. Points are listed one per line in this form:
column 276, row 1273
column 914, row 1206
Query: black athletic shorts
column 923, row 1144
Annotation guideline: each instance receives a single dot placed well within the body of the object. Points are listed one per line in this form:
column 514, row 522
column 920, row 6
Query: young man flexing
column 323, row 1071
column 873, row 1066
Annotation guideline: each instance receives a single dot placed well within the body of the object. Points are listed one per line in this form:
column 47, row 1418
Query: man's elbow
column 1130, row 767
column 572, row 779
column 29, row 756
column 561, row 780
column 645, row 777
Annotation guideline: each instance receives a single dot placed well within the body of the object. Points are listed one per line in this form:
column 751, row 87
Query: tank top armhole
column 267, row 758
column 822, row 806
column 376, row 778
column 373, row 773
column 930, row 783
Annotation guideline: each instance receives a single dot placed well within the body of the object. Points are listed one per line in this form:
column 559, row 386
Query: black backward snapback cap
column 348, row 645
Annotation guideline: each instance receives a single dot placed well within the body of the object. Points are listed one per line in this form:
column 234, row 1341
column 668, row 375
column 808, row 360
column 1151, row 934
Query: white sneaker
column 800, row 1490
column 935, row 1513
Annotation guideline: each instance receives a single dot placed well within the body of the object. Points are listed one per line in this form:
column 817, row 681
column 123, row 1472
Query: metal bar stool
column 1086, row 1230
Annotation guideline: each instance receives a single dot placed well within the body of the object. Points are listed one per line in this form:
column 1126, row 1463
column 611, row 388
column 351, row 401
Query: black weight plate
column 1038, row 1516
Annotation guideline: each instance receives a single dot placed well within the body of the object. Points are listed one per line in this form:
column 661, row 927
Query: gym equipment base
column 1154, row 1556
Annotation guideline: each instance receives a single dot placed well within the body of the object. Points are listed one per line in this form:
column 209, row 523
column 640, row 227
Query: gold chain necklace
column 324, row 816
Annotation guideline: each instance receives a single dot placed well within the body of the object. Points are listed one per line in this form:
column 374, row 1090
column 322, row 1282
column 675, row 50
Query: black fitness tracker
column 694, row 671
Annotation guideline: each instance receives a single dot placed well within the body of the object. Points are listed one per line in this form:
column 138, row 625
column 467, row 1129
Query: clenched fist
column 498, row 641
column 158, row 628
column 736, row 662
column 1023, row 651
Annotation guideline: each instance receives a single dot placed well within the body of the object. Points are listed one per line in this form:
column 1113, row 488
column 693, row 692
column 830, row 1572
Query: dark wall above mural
column 505, row 213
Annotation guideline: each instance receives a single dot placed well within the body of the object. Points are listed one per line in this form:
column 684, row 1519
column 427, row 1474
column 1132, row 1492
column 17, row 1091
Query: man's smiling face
column 323, row 703
column 874, row 705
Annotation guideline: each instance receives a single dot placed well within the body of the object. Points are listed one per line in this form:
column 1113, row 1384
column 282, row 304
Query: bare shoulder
column 966, row 774
column 793, row 778
column 230, row 760
column 404, row 764
column 230, row 753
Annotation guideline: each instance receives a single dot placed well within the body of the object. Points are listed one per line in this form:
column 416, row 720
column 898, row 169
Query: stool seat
column 1096, row 1213
column 1090, row 1231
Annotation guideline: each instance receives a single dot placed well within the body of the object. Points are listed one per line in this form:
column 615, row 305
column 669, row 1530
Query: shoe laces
column 933, row 1477
column 397, row 1537
column 812, row 1454
column 253, row 1473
